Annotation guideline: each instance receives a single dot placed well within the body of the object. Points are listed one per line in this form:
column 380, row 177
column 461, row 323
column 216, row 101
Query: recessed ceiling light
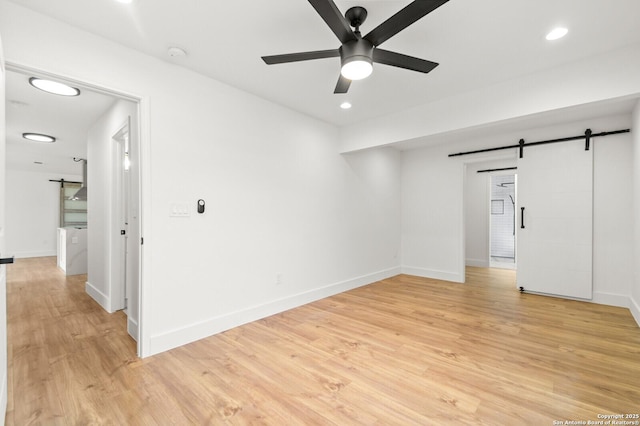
column 38, row 137
column 557, row 33
column 54, row 87
column 345, row 105
column 125, row 1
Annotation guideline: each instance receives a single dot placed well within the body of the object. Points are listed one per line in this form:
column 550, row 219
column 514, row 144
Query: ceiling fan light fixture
column 356, row 59
column 53, row 87
column 357, row 69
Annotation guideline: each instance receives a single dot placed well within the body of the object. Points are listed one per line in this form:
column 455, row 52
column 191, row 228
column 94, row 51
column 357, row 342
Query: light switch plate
column 179, row 210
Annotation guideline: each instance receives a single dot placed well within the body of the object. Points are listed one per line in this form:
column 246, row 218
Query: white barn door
column 555, row 216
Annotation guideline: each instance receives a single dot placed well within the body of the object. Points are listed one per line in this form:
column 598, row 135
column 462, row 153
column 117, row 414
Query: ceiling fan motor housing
column 357, row 50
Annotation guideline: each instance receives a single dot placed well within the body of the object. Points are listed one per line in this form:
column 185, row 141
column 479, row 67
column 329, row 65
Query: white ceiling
column 477, row 43
column 68, row 119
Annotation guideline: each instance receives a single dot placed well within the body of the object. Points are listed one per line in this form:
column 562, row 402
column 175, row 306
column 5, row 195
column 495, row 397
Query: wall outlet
column 279, row 279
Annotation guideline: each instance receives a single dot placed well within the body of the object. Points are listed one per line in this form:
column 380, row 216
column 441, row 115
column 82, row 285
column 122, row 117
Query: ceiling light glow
column 345, row 105
column 54, row 87
column 557, row 33
column 357, row 70
column 38, row 137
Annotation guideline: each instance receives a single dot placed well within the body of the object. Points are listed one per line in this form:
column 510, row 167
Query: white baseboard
column 40, row 253
column 3, row 396
column 184, row 335
column 98, row 296
column 634, row 307
column 480, row 263
column 430, row 273
column 132, row 328
column 611, row 299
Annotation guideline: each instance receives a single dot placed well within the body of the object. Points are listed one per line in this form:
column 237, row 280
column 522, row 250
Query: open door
column 120, row 207
column 555, row 216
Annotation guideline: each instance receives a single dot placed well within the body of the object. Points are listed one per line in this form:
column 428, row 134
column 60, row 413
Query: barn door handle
column 521, row 217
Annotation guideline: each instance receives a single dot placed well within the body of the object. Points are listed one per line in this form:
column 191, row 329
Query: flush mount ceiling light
column 345, row 105
column 38, row 137
column 557, row 33
column 54, row 87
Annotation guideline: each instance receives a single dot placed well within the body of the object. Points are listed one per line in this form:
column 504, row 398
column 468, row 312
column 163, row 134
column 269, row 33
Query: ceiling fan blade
column 328, row 11
column 343, row 85
column 401, row 20
column 402, row 61
column 302, row 56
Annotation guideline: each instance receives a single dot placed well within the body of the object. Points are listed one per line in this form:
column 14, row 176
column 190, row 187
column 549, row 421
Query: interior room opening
column 502, row 222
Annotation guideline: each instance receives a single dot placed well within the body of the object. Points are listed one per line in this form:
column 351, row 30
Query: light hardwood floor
column 402, row 351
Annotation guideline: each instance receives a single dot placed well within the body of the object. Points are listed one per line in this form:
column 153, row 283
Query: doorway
column 57, row 115
column 502, row 223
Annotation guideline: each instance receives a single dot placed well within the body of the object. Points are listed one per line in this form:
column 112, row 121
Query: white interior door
column 555, row 232
column 120, row 217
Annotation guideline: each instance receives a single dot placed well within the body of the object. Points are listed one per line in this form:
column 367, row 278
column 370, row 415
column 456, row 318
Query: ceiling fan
column 358, row 53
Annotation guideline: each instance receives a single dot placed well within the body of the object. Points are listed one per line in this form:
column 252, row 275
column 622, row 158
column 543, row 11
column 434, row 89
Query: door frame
column 119, row 207
column 143, row 137
column 513, row 173
column 466, row 162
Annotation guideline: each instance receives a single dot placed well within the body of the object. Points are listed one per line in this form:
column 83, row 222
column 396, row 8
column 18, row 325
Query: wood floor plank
column 403, row 351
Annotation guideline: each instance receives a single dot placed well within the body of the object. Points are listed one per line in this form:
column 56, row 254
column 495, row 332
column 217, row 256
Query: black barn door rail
column 588, row 134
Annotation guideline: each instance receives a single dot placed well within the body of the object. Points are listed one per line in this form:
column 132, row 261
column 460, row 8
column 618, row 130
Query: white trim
column 432, row 273
column 144, row 228
column 611, row 299
column 4, row 395
column 27, row 254
column 98, row 296
column 634, row 307
column 190, row 333
column 132, row 328
column 479, row 263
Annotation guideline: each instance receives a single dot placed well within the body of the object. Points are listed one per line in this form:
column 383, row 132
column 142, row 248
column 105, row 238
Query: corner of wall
column 132, row 328
column 634, row 303
column 433, row 274
column 635, row 310
column 98, row 296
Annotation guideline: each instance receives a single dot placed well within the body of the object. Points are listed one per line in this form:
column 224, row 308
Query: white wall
column 103, row 231
column 609, row 76
column 613, row 217
column 288, row 219
column 33, row 211
column 476, row 210
column 635, row 290
column 433, row 209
